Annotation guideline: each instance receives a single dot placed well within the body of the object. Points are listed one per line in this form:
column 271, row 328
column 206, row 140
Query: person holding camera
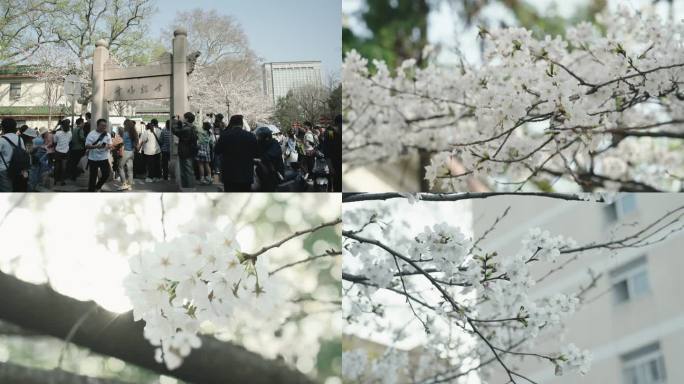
column 98, row 144
column 150, row 145
column 166, row 141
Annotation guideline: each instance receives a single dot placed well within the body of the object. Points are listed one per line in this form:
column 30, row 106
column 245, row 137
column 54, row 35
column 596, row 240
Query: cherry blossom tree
column 599, row 108
column 227, row 78
column 476, row 305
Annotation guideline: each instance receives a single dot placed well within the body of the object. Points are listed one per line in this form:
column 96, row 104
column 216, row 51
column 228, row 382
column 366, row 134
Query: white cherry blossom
column 598, row 109
column 191, row 279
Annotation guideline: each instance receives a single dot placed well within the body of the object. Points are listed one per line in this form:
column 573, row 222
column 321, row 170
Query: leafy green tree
column 399, row 30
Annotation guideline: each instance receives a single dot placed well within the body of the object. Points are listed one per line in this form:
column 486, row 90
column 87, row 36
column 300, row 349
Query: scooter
column 320, row 174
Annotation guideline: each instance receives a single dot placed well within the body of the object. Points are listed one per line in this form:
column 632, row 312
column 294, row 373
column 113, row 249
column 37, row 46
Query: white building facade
column 633, row 319
column 281, row 77
column 23, row 97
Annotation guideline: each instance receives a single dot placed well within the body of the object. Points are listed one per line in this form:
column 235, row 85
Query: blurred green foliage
column 399, row 31
column 43, row 352
column 398, row 28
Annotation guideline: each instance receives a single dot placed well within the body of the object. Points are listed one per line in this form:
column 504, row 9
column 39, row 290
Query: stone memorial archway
column 165, row 79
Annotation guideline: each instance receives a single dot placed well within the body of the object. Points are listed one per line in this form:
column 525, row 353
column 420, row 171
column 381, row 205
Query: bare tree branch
column 277, row 244
column 354, row 197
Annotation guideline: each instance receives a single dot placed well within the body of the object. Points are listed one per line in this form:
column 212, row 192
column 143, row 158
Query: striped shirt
column 166, row 137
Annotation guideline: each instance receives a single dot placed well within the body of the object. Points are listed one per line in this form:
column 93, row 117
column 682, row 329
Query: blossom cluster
column 573, row 359
column 385, row 369
column 593, row 108
column 446, row 244
column 504, row 302
column 188, row 281
column 541, row 245
column 354, row 364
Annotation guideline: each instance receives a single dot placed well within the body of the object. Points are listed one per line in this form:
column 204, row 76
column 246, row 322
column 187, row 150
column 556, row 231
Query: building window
column 624, row 206
column 630, row 280
column 646, row 365
column 15, row 91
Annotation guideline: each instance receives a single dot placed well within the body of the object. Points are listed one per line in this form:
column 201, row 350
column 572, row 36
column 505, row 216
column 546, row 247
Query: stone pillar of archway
column 179, row 87
column 98, row 105
column 179, row 101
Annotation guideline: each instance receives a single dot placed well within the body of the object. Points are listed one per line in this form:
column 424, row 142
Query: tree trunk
column 41, row 309
column 19, row 374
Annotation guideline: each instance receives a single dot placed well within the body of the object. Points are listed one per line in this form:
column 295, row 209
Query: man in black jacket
column 271, row 156
column 187, row 147
column 237, row 149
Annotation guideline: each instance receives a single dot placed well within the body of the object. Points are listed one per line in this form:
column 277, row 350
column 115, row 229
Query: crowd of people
column 243, row 160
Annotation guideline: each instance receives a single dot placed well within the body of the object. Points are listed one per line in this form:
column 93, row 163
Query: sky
column 283, row 30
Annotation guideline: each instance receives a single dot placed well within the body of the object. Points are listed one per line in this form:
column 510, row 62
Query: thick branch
column 41, row 309
column 354, row 197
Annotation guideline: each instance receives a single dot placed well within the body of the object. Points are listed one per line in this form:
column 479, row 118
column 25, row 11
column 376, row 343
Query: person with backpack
column 14, row 160
column 117, row 156
column 204, row 151
column 62, row 141
column 130, row 140
column 50, row 147
column 270, row 168
column 187, row 147
column 40, row 165
column 98, row 144
column 76, row 149
column 166, row 142
column 310, row 143
column 150, row 145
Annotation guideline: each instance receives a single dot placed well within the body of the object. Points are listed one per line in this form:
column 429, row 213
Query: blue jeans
column 187, row 172
column 5, row 182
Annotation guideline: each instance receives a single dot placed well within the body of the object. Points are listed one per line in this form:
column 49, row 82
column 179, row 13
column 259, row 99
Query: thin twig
column 12, row 208
column 256, row 254
column 73, row 330
column 163, row 214
column 328, row 253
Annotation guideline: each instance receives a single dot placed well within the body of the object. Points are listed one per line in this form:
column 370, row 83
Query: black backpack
column 20, row 161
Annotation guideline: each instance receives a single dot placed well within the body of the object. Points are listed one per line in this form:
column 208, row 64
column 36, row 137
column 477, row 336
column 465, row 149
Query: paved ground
column 81, row 185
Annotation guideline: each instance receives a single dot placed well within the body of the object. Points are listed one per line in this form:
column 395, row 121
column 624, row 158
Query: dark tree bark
column 19, row 374
column 41, row 309
column 8, row 329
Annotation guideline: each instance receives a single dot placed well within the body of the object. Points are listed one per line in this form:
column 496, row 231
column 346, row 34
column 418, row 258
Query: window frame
column 632, row 269
column 15, row 94
column 620, row 205
column 640, row 364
